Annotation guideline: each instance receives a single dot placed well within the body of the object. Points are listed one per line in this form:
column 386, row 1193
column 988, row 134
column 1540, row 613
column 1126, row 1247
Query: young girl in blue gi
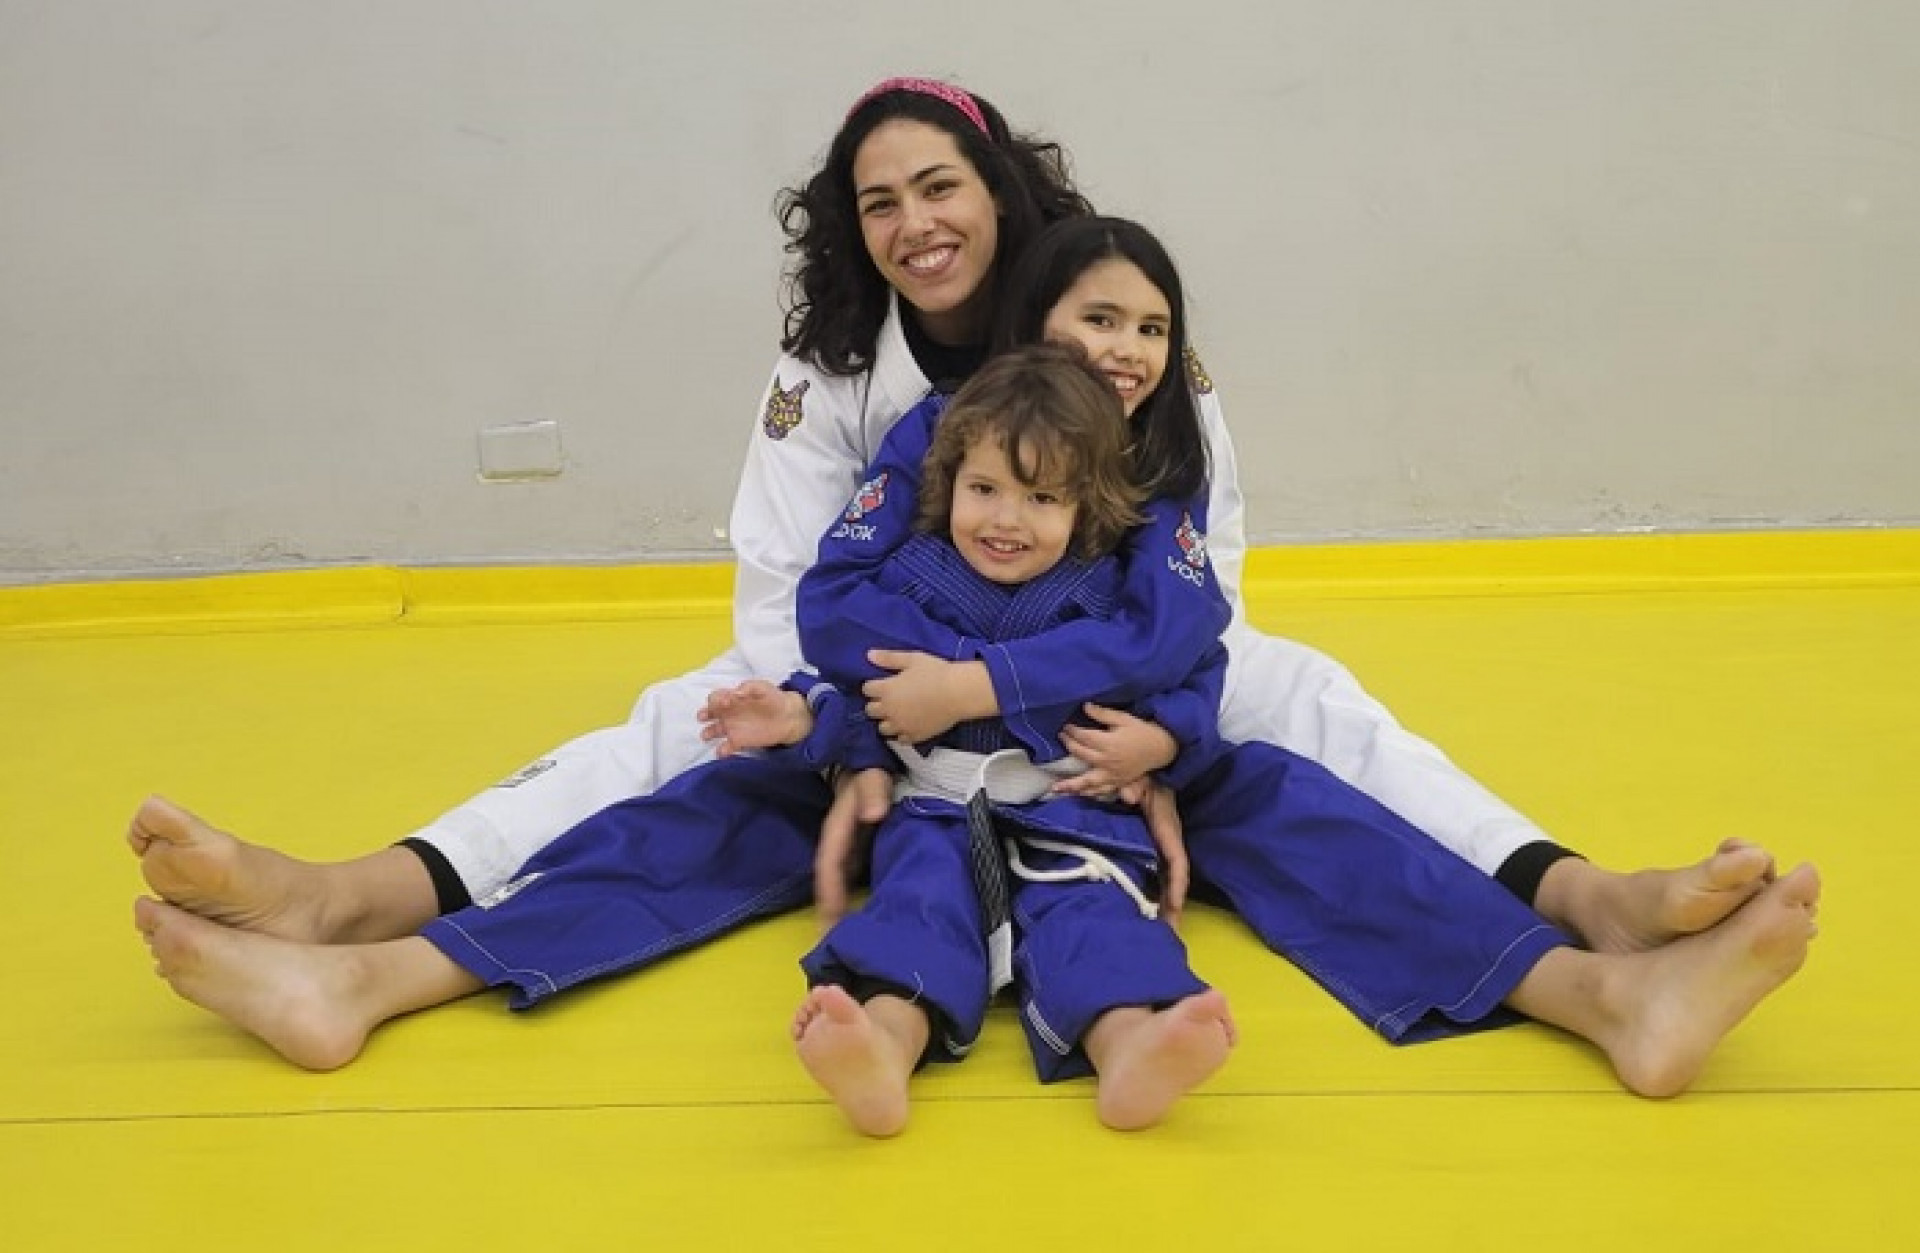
column 1028, row 489
column 1408, row 936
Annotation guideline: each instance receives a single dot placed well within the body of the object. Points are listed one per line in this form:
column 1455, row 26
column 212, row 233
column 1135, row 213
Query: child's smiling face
column 1007, row 531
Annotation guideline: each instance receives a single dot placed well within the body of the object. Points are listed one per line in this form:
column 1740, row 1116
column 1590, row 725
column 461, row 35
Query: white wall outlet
column 520, row 451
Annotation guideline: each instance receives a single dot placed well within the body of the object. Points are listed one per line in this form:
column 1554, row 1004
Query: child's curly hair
column 1061, row 424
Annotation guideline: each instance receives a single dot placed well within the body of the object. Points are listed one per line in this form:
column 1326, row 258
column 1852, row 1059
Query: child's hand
column 922, row 698
column 1122, row 750
column 756, row 714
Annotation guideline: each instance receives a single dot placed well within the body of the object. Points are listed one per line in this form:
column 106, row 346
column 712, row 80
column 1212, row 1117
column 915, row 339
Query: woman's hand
column 1157, row 806
column 861, row 798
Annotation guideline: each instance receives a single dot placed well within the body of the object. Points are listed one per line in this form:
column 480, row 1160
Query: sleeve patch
column 1197, row 373
column 783, row 409
column 870, row 496
column 1193, row 545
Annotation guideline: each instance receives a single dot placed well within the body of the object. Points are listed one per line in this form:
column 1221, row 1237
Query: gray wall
column 268, row 269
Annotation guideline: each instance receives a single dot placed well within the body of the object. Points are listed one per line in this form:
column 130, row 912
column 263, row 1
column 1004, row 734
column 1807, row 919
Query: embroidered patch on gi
column 869, row 496
column 1193, row 545
column 507, row 891
column 1197, row 373
column 783, row 409
column 527, row 774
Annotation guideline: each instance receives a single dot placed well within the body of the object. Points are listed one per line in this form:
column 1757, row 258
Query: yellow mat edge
column 1588, row 564
column 1570, row 565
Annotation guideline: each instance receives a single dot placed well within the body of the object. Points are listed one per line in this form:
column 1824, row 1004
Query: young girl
column 1028, row 489
column 902, row 241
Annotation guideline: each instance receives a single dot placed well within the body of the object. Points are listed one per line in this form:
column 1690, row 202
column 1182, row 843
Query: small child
column 1027, row 492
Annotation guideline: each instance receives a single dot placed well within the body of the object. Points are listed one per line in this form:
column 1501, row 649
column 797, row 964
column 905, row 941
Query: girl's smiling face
column 1123, row 321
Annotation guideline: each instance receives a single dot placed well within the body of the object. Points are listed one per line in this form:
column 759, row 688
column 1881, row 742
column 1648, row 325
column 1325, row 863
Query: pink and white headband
column 945, row 92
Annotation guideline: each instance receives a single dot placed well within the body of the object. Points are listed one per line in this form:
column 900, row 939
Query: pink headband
column 946, row 92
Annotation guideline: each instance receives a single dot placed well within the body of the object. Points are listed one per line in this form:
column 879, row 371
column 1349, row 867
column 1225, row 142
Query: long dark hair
column 836, row 300
column 1170, row 448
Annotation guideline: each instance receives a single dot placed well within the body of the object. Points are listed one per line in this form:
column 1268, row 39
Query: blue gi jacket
column 1140, row 629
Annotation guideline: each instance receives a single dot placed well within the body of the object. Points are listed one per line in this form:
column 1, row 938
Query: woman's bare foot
column 1148, row 1060
column 314, row 1004
column 204, row 870
column 288, row 994
column 1643, row 910
column 1659, row 1015
column 860, row 1057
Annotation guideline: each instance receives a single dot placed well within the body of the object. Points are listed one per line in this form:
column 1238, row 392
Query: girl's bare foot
column 292, row 996
column 1641, row 911
column 314, row 1004
column 1659, row 1015
column 863, row 1065
column 1148, row 1060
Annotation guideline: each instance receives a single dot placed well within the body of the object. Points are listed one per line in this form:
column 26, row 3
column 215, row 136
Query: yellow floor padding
column 1687, row 693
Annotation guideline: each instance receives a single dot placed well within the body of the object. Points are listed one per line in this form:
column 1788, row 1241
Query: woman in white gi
column 923, row 200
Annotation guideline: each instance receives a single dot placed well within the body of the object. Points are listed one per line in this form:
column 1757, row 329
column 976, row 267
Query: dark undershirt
column 945, row 365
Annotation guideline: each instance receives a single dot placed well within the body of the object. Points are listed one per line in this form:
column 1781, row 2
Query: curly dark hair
column 836, row 300
column 1061, row 424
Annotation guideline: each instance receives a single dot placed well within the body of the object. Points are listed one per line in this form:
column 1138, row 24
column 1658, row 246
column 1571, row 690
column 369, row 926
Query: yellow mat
column 1640, row 699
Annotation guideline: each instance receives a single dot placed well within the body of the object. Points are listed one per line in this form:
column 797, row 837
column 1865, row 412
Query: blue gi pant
column 1411, row 938
column 717, row 847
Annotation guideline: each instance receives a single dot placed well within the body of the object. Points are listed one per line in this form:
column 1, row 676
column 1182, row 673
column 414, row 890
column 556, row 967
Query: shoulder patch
column 1197, row 373
column 783, row 409
column 869, row 496
column 1193, row 545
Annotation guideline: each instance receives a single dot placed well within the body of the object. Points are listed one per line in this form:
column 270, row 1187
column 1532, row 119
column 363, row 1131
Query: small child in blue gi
column 1027, row 493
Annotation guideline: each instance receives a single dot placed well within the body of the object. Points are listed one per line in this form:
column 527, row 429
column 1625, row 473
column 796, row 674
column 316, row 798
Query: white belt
column 1010, row 777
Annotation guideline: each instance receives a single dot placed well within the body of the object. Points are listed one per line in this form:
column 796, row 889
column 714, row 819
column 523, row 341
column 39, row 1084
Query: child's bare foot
column 1676, row 1003
column 861, row 1064
column 1150, row 1060
column 208, row 872
column 1637, row 912
column 295, row 997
